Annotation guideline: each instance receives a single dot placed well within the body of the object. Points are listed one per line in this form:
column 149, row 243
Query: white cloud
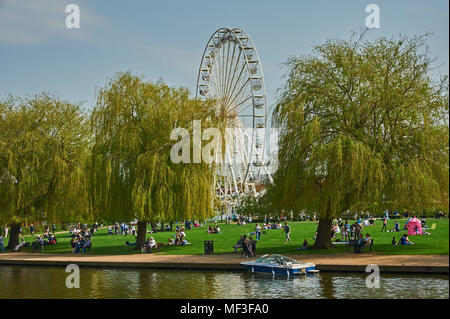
column 30, row 22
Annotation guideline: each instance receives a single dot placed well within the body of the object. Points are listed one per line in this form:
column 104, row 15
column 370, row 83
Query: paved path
column 334, row 262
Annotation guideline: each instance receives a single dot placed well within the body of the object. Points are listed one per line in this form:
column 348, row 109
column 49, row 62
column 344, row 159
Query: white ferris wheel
column 231, row 74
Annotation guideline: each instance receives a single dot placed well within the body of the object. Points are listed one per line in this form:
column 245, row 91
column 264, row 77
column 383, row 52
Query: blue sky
column 165, row 39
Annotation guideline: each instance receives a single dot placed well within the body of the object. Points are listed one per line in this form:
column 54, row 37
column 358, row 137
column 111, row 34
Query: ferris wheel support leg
column 231, row 169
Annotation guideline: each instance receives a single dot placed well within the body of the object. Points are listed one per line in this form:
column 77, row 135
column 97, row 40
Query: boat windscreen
column 276, row 259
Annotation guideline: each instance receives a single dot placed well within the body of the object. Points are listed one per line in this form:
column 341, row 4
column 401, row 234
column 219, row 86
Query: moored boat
column 279, row 265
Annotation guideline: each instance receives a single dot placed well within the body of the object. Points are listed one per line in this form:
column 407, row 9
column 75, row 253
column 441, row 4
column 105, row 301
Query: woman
column 258, row 232
column 305, row 245
column 405, row 240
column 368, row 240
column 251, row 247
column 245, row 246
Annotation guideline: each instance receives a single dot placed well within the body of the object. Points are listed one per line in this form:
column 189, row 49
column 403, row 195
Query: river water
column 50, row 282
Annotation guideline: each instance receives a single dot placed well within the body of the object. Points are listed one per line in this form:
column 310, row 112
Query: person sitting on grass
column 150, row 244
column 305, row 245
column 210, row 230
column 52, row 240
column 182, row 233
column 41, row 241
column 394, row 242
column 368, row 241
column 87, row 245
column 17, row 248
column 177, row 239
column 405, row 240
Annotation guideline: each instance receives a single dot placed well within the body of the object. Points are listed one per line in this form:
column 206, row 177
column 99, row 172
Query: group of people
column 212, row 230
column 149, row 244
column 180, row 238
column 362, row 241
column 404, row 240
column 51, row 239
column 248, row 246
column 272, row 226
column 81, row 243
column 346, row 230
column 122, row 228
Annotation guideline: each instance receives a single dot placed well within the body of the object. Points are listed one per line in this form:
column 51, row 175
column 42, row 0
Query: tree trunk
column 13, row 235
column 171, row 225
column 141, row 234
column 323, row 240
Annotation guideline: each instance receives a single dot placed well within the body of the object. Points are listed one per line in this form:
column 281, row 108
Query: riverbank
column 342, row 262
column 272, row 240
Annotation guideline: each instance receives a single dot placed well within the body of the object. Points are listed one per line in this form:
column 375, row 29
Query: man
column 360, row 244
column 384, row 224
column 251, row 246
column 287, row 231
column 32, row 229
column 245, row 251
column 238, row 244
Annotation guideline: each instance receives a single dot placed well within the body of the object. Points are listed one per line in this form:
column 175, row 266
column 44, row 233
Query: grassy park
column 272, row 242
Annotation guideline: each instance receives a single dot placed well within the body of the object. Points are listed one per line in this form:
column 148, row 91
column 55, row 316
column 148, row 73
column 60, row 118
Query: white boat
column 279, row 265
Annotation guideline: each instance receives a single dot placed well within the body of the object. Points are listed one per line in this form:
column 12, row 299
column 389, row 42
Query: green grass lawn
column 272, row 242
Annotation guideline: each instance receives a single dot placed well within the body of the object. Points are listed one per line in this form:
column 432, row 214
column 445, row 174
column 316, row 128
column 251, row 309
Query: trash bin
column 209, row 247
column 36, row 248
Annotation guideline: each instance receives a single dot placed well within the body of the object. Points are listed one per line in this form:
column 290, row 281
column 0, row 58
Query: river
column 50, row 282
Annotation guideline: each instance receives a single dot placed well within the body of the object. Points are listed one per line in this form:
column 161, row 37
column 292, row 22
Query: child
column 394, row 242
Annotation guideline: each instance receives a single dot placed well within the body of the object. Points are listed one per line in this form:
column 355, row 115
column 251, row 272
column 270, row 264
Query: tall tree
column 43, row 153
column 363, row 125
column 132, row 175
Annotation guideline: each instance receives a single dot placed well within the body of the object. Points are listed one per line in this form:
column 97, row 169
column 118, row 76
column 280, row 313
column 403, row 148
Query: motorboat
column 279, row 265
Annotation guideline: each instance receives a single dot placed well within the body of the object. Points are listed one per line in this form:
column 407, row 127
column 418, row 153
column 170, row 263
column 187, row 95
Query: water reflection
column 49, row 282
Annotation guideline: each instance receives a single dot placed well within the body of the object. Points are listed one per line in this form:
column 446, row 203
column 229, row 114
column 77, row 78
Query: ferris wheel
column 231, row 74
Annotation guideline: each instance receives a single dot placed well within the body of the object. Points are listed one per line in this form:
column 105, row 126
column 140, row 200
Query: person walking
column 287, row 231
column 258, row 232
column 384, row 224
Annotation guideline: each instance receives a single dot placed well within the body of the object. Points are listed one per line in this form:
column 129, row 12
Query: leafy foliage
column 131, row 173
column 43, row 152
column 363, row 126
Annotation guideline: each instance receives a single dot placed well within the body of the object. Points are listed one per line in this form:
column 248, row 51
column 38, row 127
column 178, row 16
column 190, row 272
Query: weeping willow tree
column 43, row 155
column 363, row 126
column 132, row 175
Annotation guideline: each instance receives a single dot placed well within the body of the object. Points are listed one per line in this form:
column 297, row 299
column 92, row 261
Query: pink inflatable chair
column 414, row 227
